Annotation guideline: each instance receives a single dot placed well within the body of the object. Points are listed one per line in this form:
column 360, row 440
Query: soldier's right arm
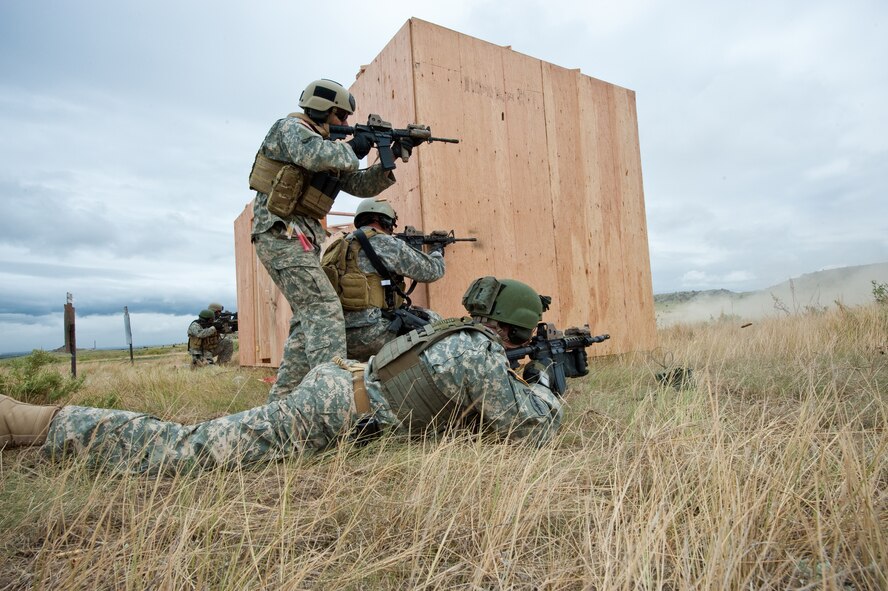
column 518, row 410
column 291, row 141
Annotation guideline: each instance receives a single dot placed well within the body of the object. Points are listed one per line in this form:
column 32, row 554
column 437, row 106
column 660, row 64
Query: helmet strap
column 319, row 117
column 386, row 223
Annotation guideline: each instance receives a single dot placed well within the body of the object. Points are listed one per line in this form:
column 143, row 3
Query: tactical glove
column 361, row 144
column 439, row 246
column 537, row 372
column 403, row 148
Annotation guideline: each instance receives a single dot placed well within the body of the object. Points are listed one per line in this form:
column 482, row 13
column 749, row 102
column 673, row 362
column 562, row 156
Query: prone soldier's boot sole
column 24, row 424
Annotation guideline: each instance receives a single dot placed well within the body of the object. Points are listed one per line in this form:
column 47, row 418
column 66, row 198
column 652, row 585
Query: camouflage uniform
column 367, row 330
column 224, row 350
column 317, row 332
column 201, row 356
column 468, row 367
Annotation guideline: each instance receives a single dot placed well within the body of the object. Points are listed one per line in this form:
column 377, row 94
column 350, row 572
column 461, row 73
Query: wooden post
column 70, row 336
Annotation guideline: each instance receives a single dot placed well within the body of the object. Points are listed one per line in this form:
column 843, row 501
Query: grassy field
column 765, row 469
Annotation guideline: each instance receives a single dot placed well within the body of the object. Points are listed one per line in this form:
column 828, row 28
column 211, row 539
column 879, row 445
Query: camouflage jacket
column 290, row 140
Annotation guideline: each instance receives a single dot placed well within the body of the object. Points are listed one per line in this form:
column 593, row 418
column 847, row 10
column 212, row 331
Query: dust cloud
column 850, row 286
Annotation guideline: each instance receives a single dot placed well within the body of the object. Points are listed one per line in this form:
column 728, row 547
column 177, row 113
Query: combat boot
column 24, row 424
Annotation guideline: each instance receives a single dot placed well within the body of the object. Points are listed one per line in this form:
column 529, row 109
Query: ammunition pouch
column 317, row 199
column 356, row 290
column 204, row 344
column 293, row 190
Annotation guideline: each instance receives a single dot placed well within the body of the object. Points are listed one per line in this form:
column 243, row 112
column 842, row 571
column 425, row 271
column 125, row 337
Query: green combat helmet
column 380, row 207
column 207, row 315
column 322, row 95
column 508, row 301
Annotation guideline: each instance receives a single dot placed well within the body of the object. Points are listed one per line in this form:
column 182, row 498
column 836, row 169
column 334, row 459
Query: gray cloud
column 127, row 131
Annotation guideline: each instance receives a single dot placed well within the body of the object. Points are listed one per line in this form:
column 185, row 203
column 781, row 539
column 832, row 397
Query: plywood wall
column 547, row 177
column 263, row 313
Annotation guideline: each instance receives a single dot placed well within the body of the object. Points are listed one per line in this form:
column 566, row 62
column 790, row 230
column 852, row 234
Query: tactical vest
column 358, row 290
column 406, row 382
column 291, row 189
column 204, row 344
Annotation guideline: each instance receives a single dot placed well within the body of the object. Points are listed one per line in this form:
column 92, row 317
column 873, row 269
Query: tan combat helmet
column 216, row 307
column 378, row 206
column 322, row 95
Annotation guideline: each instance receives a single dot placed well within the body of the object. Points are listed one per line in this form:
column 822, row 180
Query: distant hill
column 852, row 286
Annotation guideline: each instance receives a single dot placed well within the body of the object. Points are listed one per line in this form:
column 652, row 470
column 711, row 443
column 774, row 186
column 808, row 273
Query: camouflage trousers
column 201, row 358
column 221, row 354
column 310, row 419
column 224, row 350
column 317, row 327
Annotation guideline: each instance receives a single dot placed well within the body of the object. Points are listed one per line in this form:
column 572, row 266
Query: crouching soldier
column 444, row 375
column 367, row 268
column 203, row 339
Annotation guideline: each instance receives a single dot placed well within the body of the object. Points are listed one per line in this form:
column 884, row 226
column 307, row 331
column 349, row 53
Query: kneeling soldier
column 203, row 339
column 367, row 268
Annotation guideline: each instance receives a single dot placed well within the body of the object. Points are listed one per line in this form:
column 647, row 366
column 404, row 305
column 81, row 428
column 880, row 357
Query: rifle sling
column 380, row 268
column 371, row 254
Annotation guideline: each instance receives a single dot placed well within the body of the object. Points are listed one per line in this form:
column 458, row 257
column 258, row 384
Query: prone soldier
column 446, row 374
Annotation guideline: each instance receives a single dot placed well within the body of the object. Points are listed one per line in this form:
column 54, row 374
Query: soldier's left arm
column 367, row 182
column 401, row 258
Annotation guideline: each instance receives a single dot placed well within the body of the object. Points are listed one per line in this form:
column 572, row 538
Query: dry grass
column 767, row 472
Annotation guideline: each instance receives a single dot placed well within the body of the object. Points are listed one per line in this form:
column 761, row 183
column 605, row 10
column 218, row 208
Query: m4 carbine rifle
column 226, row 322
column 385, row 137
column 438, row 239
column 561, row 355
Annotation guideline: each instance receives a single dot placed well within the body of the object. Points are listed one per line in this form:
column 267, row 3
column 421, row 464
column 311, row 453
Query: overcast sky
column 127, row 130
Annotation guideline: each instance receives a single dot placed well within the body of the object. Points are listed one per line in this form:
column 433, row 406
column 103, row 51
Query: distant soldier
column 203, row 339
column 225, row 347
column 449, row 374
column 367, row 268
